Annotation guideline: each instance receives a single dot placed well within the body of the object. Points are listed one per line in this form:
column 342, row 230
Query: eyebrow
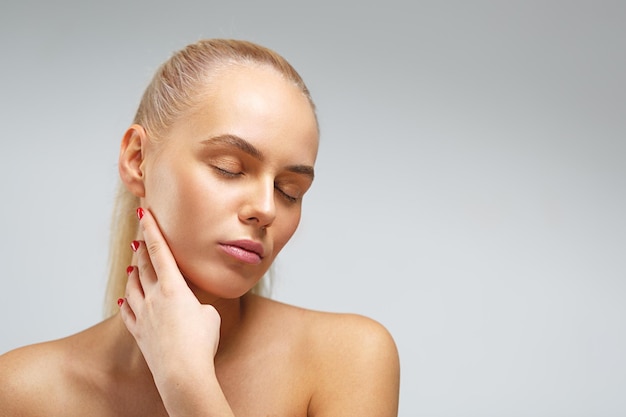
column 235, row 142
column 246, row 147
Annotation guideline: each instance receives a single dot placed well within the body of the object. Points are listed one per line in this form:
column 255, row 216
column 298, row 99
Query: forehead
column 256, row 103
column 259, row 89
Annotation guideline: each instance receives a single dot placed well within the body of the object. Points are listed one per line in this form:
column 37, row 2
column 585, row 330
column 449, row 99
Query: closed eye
column 226, row 173
column 288, row 197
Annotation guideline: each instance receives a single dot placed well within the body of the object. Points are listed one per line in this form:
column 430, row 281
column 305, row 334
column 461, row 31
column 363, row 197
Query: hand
column 177, row 335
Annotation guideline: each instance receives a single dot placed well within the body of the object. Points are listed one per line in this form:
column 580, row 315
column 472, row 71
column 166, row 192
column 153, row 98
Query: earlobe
column 131, row 159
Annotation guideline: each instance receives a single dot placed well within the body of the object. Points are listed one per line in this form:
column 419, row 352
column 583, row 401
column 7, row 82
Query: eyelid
column 225, row 172
column 226, row 165
column 291, row 186
column 288, row 197
column 292, row 189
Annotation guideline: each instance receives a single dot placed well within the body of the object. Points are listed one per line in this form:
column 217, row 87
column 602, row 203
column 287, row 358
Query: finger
column 133, row 297
column 133, row 284
column 127, row 314
column 134, row 293
column 159, row 252
column 147, row 275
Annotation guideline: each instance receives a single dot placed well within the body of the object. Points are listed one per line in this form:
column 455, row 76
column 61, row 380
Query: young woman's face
column 226, row 183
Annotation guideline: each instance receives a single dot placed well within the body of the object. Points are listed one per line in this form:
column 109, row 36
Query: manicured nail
column 134, row 245
column 129, row 270
column 139, row 213
column 120, row 301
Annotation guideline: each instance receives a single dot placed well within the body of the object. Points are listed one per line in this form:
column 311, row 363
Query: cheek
column 176, row 197
column 287, row 228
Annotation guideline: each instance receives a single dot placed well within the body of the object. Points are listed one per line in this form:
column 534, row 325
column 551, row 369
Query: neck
column 232, row 313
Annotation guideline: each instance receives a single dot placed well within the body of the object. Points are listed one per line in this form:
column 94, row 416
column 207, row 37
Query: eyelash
column 286, row 196
column 229, row 174
column 226, row 173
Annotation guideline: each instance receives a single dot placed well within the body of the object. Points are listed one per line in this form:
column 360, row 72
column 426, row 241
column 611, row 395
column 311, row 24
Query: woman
column 213, row 172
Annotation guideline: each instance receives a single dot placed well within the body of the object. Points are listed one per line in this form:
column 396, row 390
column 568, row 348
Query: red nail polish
column 120, row 301
column 129, row 270
column 134, row 245
column 139, row 213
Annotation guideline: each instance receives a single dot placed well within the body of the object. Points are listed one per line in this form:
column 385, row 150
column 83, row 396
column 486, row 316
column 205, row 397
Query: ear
column 130, row 164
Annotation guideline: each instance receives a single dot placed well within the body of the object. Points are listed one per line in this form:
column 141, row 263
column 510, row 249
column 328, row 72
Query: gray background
column 471, row 189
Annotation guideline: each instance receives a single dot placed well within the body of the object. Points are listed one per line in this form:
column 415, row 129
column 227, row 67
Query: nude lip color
column 246, row 251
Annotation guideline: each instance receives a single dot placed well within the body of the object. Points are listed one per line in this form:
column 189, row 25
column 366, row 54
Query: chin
column 210, row 289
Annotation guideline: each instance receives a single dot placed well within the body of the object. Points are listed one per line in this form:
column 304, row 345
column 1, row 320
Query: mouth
column 246, row 251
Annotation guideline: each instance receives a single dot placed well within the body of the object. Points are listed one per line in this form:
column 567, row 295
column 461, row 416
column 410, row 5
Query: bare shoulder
column 44, row 378
column 358, row 367
column 333, row 335
column 352, row 344
column 355, row 333
column 353, row 361
column 30, row 377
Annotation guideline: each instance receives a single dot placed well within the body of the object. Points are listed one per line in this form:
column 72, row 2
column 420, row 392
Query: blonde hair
column 176, row 88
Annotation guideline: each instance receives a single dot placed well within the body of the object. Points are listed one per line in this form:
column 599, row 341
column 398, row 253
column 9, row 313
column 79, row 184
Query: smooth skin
column 190, row 340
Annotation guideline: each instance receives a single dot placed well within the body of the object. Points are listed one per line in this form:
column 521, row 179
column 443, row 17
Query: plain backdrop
column 470, row 196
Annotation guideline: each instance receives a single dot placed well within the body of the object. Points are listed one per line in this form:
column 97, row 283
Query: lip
column 247, row 251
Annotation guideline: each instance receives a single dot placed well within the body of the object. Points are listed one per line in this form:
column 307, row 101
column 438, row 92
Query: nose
column 259, row 207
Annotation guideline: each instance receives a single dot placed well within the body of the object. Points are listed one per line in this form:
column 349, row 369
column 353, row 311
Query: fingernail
column 134, row 245
column 139, row 213
column 129, row 270
column 120, row 301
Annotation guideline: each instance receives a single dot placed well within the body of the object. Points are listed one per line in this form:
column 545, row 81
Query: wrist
column 194, row 395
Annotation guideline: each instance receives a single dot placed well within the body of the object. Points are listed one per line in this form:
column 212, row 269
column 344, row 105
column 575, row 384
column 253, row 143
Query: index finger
column 158, row 250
